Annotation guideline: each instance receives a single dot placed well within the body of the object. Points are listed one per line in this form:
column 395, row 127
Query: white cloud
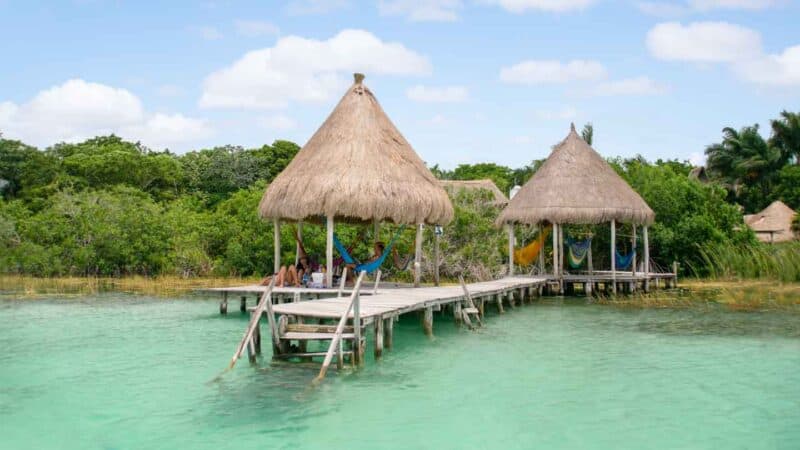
column 422, row 10
column 703, row 42
column 551, row 71
column 300, row 69
column 255, row 28
column 208, row 33
column 720, row 42
column 279, row 122
column 77, row 110
column 673, row 9
column 304, row 7
column 445, row 94
column 629, row 86
column 565, row 113
column 706, row 5
column 521, row 6
column 777, row 70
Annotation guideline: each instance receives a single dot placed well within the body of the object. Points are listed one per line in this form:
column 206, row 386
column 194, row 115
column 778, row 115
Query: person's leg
column 291, row 276
column 280, row 281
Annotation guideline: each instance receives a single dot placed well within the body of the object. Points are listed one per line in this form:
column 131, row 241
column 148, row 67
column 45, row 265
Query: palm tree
column 786, row 136
column 588, row 133
column 744, row 159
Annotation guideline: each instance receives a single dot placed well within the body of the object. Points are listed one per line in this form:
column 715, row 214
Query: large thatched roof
column 357, row 166
column 576, row 185
column 487, row 184
column 773, row 224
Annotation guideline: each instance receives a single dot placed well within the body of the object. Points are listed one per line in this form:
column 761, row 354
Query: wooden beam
column 388, row 332
column 613, row 256
column 378, row 327
column 633, row 249
column 510, row 227
column 437, row 260
column 277, row 244
column 329, row 253
column 555, row 250
column 297, row 245
column 646, row 259
column 418, row 256
column 427, row 321
column 540, row 230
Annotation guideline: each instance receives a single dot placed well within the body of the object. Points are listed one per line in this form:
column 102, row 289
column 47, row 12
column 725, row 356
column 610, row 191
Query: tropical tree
column 786, row 136
column 746, row 164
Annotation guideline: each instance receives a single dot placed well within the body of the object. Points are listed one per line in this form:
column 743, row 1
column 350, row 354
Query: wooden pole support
column 276, row 233
column 378, row 328
column 646, row 243
column 613, row 256
column 388, row 332
column 243, row 304
column 418, row 256
column 427, row 321
column 223, row 305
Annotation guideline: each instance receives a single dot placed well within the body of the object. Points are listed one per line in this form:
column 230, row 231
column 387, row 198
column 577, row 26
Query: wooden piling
column 427, row 321
column 388, row 332
column 499, row 299
column 377, row 325
column 223, row 305
column 243, row 304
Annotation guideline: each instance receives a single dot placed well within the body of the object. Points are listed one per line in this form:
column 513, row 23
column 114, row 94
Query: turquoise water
column 128, row 372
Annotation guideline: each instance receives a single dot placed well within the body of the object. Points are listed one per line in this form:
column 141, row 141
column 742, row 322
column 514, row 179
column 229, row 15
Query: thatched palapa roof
column 357, row 167
column 487, row 184
column 773, row 224
column 576, row 185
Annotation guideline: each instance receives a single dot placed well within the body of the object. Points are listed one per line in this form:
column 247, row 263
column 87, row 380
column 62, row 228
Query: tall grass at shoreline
column 779, row 262
column 22, row 286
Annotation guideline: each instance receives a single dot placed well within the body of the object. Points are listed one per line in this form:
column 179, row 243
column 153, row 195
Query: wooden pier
column 295, row 323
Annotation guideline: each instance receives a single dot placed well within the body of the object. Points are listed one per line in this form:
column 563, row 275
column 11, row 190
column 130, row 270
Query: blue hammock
column 578, row 251
column 623, row 261
column 371, row 266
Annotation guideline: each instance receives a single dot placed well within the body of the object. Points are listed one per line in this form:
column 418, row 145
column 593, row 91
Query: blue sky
column 464, row 80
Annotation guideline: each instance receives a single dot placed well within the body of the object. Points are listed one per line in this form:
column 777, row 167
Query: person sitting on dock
column 377, row 251
column 292, row 275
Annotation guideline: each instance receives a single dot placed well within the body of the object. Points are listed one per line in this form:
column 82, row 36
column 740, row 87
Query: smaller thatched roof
column 699, row 173
column 773, row 224
column 487, row 184
column 576, row 185
column 357, row 167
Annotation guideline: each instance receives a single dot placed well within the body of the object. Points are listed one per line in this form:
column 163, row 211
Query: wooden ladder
column 335, row 346
column 252, row 333
column 469, row 308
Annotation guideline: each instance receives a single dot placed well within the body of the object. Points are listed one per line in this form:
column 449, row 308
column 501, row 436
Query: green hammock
column 577, row 251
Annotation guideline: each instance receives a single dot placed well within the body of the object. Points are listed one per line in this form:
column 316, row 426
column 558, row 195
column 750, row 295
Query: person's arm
column 300, row 244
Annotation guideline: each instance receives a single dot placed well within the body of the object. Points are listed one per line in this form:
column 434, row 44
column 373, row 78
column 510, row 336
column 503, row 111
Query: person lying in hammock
column 292, row 275
column 377, row 251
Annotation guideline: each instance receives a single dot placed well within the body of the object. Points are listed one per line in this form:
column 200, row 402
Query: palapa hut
column 773, row 224
column 357, row 167
column 575, row 185
column 454, row 186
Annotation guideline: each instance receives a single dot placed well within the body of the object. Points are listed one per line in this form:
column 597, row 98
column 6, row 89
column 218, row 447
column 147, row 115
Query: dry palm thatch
column 487, row 184
column 773, row 224
column 576, row 185
column 357, row 167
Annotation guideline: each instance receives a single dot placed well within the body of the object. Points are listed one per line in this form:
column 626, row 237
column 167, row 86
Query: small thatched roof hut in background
column 456, row 185
column 575, row 185
column 773, row 224
column 357, row 167
column 699, row 173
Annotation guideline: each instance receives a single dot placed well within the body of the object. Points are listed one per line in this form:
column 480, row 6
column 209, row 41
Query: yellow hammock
column 527, row 254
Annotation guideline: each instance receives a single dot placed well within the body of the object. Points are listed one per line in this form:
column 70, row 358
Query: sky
column 465, row 81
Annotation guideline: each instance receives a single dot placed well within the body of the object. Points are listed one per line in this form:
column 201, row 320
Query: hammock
column 527, row 254
column 623, row 261
column 577, row 251
column 371, row 266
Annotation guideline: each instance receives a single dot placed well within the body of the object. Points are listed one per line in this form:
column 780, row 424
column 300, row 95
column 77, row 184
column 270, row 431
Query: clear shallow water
column 120, row 372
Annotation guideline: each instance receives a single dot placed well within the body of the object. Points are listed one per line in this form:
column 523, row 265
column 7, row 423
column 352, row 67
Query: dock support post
column 378, row 326
column 257, row 336
column 510, row 228
column 555, row 250
column 437, row 261
column 633, row 262
column 243, row 304
column 457, row 312
column 329, row 253
column 499, row 298
column 427, row 321
column 388, row 332
column 646, row 259
column 357, row 350
column 675, row 273
column 614, row 256
column 560, row 260
column 223, row 305
column 418, row 256
column 276, row 230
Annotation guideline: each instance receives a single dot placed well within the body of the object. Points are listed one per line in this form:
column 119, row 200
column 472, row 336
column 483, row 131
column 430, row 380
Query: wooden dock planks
column 391, row 302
